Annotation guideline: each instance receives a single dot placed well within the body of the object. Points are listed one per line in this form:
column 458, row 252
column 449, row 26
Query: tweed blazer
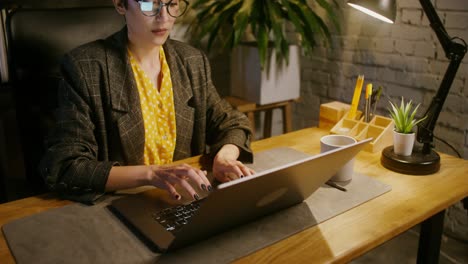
column 99, row 122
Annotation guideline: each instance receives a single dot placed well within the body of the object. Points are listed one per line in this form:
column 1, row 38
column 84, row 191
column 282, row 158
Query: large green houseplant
column 223, row 23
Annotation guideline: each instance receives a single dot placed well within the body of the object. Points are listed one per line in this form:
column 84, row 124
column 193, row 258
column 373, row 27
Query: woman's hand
column 168, row 177
column 226, row 167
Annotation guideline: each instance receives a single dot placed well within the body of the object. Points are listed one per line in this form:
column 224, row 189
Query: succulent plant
column 404, row 116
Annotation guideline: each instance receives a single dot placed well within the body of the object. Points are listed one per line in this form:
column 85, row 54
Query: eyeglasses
column 175, row 8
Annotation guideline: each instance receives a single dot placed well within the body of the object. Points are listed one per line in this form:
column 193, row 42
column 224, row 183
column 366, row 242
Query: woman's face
column 147, row 31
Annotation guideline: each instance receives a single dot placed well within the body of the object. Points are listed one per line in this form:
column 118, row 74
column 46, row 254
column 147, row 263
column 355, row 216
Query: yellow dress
column 158, row 113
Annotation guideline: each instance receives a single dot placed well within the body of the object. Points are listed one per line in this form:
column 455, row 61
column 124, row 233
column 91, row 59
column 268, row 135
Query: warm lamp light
column 423, row 160
column 382, row 10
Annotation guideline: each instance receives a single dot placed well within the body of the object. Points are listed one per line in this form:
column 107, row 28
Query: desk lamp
column 424, row 160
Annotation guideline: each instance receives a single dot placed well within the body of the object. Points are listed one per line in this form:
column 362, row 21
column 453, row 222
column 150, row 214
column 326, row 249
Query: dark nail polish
column 242, row 176
column 177, row 197
column 203, row 186
column 210, row 189
column 196, row 197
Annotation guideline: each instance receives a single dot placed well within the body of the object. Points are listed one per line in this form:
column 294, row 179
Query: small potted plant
column 404, row 117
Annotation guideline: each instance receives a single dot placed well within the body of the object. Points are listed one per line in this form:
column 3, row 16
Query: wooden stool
column 249, row 108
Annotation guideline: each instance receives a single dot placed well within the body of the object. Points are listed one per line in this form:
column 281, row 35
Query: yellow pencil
column 356, row 97
column 368, row 97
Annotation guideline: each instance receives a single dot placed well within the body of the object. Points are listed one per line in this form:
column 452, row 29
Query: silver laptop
column 164, row 225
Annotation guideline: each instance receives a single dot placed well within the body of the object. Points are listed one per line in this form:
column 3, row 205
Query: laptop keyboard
column 174, row 218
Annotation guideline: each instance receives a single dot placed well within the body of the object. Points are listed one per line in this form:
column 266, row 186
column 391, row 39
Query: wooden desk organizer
column 380, row 128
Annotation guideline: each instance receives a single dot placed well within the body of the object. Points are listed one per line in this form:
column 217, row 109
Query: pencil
column 334, row 185
column 356, row 97
column 368, row 98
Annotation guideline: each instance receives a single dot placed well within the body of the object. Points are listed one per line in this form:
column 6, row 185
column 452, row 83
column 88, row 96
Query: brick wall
column 405, row 58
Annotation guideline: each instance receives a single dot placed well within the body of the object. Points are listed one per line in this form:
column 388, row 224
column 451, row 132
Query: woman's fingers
column 232, row 170
column 197, row 176
column 246, row 170
column 168, row 177
column 172, row 191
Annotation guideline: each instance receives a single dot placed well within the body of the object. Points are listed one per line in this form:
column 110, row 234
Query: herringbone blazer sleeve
column 71, row 165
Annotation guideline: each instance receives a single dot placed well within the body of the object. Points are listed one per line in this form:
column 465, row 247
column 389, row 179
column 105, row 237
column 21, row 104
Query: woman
column 136, row 101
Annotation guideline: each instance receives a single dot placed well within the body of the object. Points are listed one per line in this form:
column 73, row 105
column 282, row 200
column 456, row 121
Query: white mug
column 330, row 142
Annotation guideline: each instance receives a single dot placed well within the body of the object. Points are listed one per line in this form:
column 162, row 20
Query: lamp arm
column 454, row 52
column 436, row 25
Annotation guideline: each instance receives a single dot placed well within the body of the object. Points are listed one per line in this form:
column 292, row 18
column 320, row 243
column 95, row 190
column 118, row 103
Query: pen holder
column 331, row 113
column 379, row 128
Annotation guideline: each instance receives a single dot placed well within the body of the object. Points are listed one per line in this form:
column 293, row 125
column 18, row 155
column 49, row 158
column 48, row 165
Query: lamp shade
column 384, row 10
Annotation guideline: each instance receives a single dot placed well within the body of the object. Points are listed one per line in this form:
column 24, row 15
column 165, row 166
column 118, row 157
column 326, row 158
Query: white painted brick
column 350, row 70
column 382, row 59
column 428, row 96
column 395, row 92
column 312, row 62
column 397, row 61
column 465, row 111
column 350, row 43
column 458, row 33
column 456, row 20
column 384, row 30
column 463, row 70
column 339, row 81
column 466, row 141
column 408, row 4
column 404, row 47
column 425, row 21
column 387, row 74
column 404, row 78
column 410, row 32
column 307, row 74
column 384, row 44
column 364, row 43
column 426, row 49
column 459, row 5
column 335, row 68
column 440, row 53
column 321, row 77
column 438, row 67
column 354, row 29
column 411, row 16
column 453, row 136
column 320, row 50
column 337, row 42
column 364, row 57
column 454, row 103
column 370, row 72
column 344, row 56
column 417, row 65
column 450, row 120
column 375, row 28
column 458, row 86
column 427, row 82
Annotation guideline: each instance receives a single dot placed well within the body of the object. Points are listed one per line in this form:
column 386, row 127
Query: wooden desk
column 413, row 199
column 249, row 108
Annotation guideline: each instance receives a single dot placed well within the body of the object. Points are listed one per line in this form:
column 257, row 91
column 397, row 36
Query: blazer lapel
column 125, row 100
column 182, row 103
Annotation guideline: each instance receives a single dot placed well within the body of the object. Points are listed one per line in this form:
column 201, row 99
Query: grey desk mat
column 92, row 234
